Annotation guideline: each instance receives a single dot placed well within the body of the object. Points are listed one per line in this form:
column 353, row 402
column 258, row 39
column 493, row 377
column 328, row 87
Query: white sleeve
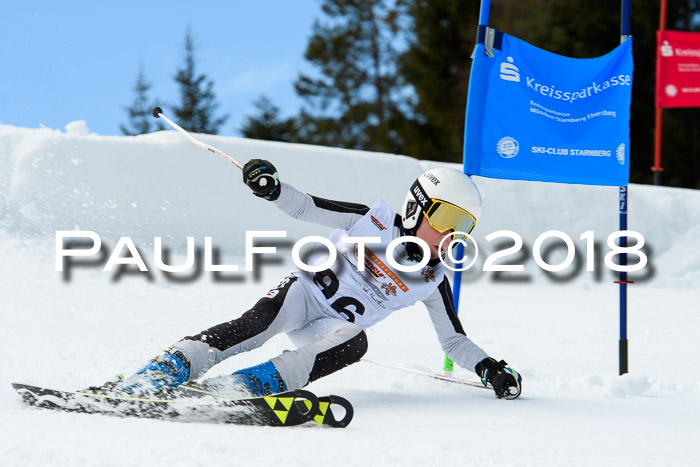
column 451, row 335
column 337, row 214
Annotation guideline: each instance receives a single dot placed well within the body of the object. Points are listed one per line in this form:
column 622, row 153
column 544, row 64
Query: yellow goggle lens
column 443, row 216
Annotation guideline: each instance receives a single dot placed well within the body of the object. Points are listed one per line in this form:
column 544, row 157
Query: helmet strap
column 413, row 251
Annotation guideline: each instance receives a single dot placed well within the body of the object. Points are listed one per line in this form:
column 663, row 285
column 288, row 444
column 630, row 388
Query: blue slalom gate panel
column 535, row 115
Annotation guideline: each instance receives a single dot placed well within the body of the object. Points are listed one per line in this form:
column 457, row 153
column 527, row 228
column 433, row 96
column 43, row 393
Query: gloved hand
column 505, row 381
column 261, row 176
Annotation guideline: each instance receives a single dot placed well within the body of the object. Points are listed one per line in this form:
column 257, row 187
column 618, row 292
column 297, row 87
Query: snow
column 81, row 327
column 78, row 128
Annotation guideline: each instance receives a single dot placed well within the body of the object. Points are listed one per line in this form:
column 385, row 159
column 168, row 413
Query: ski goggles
column 443, row 216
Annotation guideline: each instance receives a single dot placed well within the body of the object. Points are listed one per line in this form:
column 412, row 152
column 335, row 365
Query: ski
column 285, row 409
column 449, row 379
column 324, row 415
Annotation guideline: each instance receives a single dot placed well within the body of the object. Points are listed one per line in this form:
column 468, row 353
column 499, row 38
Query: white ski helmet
column 448, row 199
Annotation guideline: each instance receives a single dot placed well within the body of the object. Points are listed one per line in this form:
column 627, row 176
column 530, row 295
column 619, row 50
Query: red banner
column 678, row 69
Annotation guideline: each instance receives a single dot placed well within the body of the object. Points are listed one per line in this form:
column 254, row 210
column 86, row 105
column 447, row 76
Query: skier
column 325, row 313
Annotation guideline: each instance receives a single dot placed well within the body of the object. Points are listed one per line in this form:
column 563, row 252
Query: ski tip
column 157, row 111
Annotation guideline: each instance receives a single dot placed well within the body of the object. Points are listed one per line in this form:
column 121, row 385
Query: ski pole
column 158, row 113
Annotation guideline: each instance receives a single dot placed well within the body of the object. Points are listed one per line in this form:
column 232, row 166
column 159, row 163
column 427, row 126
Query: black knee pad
column 339, row 356
column 251, row 323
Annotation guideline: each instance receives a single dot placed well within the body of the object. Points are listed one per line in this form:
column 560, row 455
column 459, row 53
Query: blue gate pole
column 625, row 32
column 623, row 284
column 484, row 12
column 459, row 252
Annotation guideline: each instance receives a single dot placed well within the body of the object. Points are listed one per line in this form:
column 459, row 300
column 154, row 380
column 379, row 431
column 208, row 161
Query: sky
column 78, row 60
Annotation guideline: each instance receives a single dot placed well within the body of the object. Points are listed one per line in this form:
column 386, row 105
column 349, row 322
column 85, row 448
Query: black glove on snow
column 505, row 381
column 261, row 176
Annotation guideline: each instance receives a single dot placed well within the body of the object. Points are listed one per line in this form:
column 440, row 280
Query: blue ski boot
column 163, row 372
column 258, row 380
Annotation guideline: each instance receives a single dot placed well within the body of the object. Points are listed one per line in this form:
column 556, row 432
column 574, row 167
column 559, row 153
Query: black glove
column 505, row 381
column 261, row 176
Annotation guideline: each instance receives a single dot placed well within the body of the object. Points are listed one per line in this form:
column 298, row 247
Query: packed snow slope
column 560, row 330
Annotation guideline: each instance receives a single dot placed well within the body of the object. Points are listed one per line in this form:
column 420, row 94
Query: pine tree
column 355, row 100
column 197, row 98
column 140, row 118
column 436, row 64
column 266, row 124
